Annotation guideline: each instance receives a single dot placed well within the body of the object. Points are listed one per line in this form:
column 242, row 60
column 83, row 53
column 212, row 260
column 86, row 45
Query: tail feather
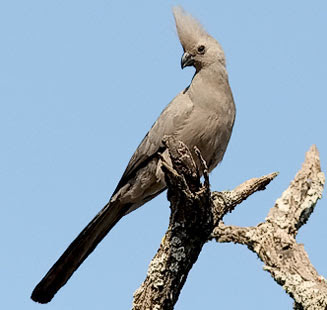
column 78, row 251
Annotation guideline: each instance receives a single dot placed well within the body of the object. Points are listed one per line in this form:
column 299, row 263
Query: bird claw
column 203, row 167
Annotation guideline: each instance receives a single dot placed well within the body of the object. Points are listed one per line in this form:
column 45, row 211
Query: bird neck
column 215, row 71
column 211, row 78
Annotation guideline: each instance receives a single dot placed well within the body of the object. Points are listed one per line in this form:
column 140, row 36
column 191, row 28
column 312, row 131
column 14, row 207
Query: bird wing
column 172, row 119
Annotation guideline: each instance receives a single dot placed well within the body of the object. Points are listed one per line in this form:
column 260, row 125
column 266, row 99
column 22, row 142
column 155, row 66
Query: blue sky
column 81, row 82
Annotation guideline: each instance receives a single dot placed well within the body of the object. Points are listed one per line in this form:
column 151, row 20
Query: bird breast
column 210, row 124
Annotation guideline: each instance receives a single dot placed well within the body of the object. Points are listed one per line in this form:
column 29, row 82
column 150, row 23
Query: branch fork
column 196, row 217
column 195, row 212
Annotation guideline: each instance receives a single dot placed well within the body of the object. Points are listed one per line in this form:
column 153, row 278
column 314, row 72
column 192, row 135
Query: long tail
column 78, row 251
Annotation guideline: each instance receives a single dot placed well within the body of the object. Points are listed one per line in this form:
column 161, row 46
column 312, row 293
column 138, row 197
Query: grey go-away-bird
column 201, row 115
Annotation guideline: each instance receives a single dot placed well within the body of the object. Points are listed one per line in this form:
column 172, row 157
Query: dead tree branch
column 195, row 212
column 274, row 240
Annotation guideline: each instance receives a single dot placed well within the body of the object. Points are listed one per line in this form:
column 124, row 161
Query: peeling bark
column 195, row 212
column 196, row 217
column 274, row 240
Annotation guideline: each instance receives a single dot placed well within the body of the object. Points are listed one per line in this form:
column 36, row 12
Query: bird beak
column 187, row 60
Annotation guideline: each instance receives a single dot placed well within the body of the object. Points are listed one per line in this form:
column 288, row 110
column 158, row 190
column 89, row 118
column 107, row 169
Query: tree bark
column 195, row 212
column 274, row 239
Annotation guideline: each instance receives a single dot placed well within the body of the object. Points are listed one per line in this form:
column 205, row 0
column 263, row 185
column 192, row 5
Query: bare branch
column 189, row 227
column 230, row 199
column 296, row 204
column 274, row 240
column 225, row 233
column 194, row 215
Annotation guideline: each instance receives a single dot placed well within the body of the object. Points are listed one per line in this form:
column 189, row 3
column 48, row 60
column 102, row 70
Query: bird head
column 200, row 49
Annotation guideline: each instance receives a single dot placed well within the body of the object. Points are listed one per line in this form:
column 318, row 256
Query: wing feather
column 171, row 120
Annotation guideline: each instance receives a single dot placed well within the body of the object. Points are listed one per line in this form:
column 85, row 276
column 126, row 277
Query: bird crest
column 188, row 28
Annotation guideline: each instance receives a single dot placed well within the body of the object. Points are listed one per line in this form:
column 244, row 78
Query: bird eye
column 201, row 49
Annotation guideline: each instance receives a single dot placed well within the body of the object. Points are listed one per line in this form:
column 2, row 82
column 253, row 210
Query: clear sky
column 81, row 82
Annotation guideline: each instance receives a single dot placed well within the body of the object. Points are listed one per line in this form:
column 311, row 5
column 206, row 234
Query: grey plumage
column 201, row 115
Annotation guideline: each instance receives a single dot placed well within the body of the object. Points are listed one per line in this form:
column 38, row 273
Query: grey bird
column 201, row 115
